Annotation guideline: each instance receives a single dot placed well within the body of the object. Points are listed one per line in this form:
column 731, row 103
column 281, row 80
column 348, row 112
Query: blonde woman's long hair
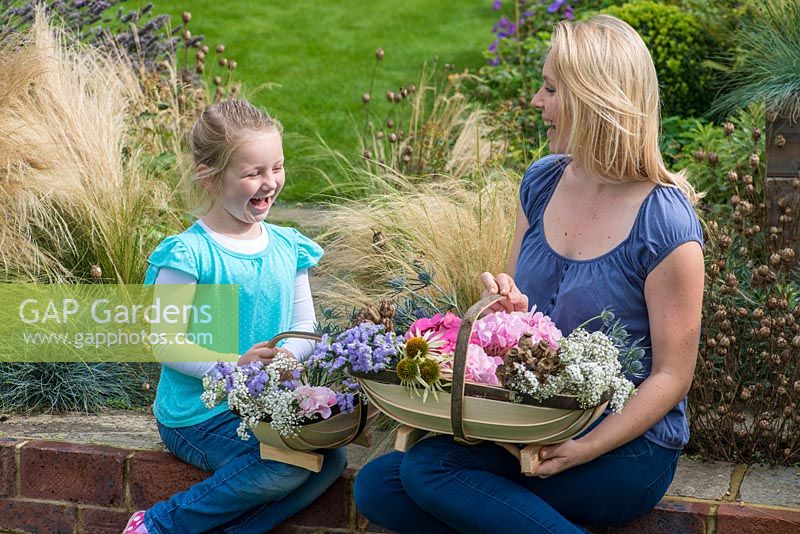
column 609, row 101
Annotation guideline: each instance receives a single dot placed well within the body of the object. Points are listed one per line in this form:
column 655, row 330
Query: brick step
column 54, row 487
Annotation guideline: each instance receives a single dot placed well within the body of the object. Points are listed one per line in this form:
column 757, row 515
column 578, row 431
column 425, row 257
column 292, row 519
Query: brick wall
column 50, row 487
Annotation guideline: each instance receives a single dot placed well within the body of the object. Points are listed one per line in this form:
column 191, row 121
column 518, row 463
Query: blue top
column 574, row 291
column 266, row 296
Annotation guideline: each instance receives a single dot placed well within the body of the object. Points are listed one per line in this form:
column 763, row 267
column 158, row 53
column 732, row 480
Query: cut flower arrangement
column 514, row 357
column 286, row 394
column 522, row 352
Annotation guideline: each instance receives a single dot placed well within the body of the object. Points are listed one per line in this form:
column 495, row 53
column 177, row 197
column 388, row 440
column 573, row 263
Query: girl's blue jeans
column 441, row 486
column 245, row 494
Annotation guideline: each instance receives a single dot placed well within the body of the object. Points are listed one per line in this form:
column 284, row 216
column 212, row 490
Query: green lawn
column 321, row 54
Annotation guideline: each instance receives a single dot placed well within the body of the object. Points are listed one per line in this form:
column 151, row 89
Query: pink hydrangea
column 480, row 367
column 500, row 331
column 445, row 325
column 315, row 400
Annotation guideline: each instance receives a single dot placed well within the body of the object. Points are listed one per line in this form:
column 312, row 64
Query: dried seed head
column 754, row 161
column 756, row 134
column 96, row 272
column 712, row 158
column 731, row 176
column 223, row 62
column 367, row 154
column 747, row 179
column 204, row 49
column 146, row 386
column 200, row 67
column 186, row 35
column 392, row 137
column 181, row 99
column 390, row 96
column 379, row 53
column 187, row 16
column 232, row 65
column 780, row 141
column 217, row 80
column 220, row 49
column 700, row 156
column 728, row 128
column 365, row 98
column 200, row 56
column 379, row 134
column 745, row 394
column 775, row 259
column 390, row 124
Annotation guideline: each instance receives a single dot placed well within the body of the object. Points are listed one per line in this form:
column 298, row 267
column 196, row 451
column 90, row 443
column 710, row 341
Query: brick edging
column 56, row 487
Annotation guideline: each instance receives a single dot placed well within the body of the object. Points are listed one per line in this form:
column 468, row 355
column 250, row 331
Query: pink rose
column 315, row 400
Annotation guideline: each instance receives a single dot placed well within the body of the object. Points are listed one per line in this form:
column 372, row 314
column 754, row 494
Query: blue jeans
column 441, row 486
column 245, row 494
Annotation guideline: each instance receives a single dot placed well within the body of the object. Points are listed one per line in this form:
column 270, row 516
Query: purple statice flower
column 366, row 348
column 569, row 13
column 256, row 383
column 497, row 5
column 346, row 402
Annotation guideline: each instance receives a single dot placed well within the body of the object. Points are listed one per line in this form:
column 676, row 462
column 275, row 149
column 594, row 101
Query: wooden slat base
column 307, row 460
column 407, row 436
column 529, row 459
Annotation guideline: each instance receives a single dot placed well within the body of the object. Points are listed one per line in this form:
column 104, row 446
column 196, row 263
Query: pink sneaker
column 135, row 524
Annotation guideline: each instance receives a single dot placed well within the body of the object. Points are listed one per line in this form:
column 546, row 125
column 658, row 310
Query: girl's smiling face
column 250, row 183
column 546, row 100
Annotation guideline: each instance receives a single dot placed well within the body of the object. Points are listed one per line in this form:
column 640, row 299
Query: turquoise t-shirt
column 266, row 297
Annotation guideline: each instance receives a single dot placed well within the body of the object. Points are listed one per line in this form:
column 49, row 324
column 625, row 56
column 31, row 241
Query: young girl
column 601, row 223
column 239, row 162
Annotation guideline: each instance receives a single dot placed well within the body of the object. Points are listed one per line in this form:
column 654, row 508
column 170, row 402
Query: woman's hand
column 503, row 284
column 260, row 352
column 556, row 458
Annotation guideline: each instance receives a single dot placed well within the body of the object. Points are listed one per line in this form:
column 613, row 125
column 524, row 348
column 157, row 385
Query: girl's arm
column 674, row 295
column 183, row 357
column 303, row 317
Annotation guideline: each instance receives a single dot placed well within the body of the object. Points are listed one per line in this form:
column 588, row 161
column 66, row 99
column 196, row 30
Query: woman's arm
column 674, row 295
column 504, row 284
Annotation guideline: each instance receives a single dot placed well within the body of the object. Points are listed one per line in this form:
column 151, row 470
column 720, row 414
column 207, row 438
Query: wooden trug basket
column 336, row 431
column 477, row 412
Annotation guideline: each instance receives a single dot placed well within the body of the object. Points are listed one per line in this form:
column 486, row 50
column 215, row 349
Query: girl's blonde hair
column 218, row 132
column 609, row 102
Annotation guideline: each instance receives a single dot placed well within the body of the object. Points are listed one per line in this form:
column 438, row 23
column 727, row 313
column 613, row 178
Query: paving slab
column 306, row 216
column 700, row 479
column 777, row 486
column 117, row 428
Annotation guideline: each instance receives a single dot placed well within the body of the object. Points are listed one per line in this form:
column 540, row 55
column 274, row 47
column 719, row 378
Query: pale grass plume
column 455, row 228
column 73, row 186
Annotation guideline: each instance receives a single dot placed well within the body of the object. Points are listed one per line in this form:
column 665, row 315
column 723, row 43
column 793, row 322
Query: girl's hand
column 260, row 352
column 504, row 285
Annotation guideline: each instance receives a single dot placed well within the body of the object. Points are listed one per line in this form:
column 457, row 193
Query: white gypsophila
column 590, row 367
column 524, row 380
column 213, row 392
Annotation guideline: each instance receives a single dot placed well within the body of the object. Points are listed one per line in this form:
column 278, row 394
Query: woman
column 601, row 224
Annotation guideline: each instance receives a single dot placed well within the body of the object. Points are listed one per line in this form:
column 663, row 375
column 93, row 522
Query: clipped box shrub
column 679, row 46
